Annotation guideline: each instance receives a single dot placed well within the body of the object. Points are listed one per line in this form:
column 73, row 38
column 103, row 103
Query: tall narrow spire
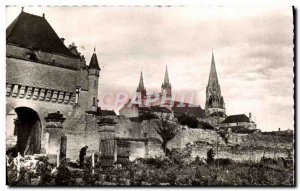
column 166, row 80
column 141, row 87
column 141, row 84
column 166, row 86
column 213, row 77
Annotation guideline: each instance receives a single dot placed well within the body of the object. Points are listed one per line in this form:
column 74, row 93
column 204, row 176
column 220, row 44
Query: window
column 95, row 84
column 94, row 101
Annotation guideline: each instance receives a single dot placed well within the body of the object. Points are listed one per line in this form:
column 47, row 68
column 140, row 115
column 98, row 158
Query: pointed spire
column 166, row 80
column 213, row 77
column 94, row 61
column 141, row 83
column 166, row 86
column 141, row 87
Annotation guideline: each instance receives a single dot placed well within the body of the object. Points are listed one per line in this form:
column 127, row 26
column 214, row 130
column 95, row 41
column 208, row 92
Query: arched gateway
column 23, row 123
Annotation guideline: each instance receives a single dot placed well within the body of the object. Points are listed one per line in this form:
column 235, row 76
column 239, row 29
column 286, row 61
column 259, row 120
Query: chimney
column 22, row 9
column 62, row 39
column 278, row 129
column 43, row 15
column 250, row 117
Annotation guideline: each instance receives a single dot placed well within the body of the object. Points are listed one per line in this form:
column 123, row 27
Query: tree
column 167, row 128
column 191, row 122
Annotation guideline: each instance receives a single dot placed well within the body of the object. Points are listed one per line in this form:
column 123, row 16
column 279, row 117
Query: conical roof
column 94, row 61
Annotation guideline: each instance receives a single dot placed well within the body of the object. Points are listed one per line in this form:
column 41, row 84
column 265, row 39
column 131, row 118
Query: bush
column 63, row 176
column 204, row 125
column 189, row 121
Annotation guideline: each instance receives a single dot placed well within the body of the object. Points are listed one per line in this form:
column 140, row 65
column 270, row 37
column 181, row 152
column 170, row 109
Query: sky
column 253, row 51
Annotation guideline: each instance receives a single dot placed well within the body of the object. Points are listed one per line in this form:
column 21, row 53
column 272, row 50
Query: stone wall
column 45, row 76
column 238, row 147
column 82, row 131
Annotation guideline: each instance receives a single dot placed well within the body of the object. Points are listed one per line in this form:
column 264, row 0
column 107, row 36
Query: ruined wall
column 82, row 130
column 141, row 130
column 238, row 147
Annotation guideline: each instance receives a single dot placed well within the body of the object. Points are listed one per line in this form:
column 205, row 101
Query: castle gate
column 27, row 129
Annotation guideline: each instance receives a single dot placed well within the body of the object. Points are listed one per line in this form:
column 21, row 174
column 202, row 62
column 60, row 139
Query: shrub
column 189, row 121
column 63, row 176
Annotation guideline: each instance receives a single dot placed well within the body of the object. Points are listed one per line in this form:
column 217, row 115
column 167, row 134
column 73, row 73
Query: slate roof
column 191, row 111
column 34, row 32
column 236, row 118
column 94, row 62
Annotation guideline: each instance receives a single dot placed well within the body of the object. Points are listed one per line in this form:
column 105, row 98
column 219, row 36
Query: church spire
column 214, row 99
column 166, row 80
column 141, row 87
column 141, row 84
column 166, row 86
column 213, row 77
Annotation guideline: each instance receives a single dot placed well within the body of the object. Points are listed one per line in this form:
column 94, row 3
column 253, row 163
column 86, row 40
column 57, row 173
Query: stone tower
column 214, row 99
column 166, row 86
column 93, row 77
column 141, row 88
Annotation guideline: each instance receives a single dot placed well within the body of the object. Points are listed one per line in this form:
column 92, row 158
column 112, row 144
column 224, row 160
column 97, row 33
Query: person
column 82, row 155
column 210, row 156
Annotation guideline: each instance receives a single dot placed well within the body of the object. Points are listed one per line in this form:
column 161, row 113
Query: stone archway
column 27, row 130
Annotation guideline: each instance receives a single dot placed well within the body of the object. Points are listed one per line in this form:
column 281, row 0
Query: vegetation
column 144, row 116
column 171, row 170
column 167, row 129
column 193, row 123
column 189, row 121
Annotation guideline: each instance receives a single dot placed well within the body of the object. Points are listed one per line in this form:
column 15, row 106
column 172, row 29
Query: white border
column 3, row 3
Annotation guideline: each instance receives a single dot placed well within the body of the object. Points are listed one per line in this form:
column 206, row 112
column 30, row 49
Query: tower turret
column 214, row 99
column 166, row 87
column 93, row 76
